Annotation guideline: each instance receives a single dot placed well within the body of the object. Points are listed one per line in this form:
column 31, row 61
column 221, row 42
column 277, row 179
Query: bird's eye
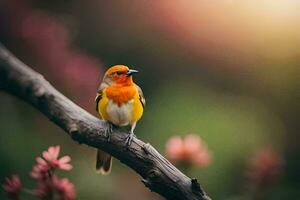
column 119, row 73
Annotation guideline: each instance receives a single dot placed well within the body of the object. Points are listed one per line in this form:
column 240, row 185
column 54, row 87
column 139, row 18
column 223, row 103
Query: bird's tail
column 103, row 162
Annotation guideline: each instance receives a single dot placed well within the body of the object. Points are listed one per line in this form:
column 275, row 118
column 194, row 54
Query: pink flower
column 40, row 171
column 49, row 186
column 190, row 150
column 51, row 156
column 45, row 165
column 63, row 189
column 174, row 148
column 12, row 187
column 265, row 167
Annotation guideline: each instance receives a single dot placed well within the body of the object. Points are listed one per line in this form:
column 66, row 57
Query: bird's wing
column 100, row 93
column 98, row 98
column 141, row 95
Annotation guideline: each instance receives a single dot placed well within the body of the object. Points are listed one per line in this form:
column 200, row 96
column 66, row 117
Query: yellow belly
column 137, row 110
column 120, row 115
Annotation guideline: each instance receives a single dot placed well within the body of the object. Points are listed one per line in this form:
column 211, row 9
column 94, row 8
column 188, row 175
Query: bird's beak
column 131, row 72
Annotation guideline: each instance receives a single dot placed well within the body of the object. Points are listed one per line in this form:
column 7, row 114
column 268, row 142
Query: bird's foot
column 129, row 139
column 108, row 131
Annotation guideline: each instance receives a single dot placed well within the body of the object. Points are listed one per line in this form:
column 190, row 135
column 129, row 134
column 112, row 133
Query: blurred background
column 227, row 71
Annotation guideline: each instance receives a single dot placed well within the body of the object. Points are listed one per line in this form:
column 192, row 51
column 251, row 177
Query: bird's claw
column 108, row 131
column 129, row 139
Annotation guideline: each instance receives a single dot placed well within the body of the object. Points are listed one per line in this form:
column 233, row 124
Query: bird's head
column 119, row 74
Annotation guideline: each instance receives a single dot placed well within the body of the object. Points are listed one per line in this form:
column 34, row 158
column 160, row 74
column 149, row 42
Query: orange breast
column 120, row 94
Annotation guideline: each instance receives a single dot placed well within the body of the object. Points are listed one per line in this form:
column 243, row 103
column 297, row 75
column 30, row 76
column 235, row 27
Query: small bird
column 120, row 102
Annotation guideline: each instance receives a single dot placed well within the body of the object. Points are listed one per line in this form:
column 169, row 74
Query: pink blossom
column 191, row 150
column 40, row 171
column 51, row 156
column 174, row 148
column 46, row 164
column 63, row 189
column 264, row 167
column 12, row 187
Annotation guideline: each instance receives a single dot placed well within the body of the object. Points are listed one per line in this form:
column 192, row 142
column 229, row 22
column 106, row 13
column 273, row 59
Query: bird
column 120, row 102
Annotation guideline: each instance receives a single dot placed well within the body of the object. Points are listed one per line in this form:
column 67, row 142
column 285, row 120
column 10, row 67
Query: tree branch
column 159, row 175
